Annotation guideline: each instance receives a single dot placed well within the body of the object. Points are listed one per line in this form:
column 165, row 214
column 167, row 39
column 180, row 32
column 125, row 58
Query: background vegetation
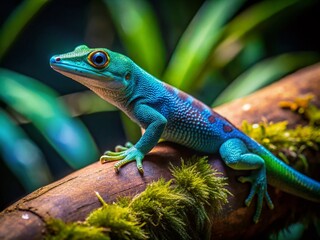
column 216, row 50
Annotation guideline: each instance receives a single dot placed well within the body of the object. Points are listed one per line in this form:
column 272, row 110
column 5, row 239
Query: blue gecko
column 168, row 113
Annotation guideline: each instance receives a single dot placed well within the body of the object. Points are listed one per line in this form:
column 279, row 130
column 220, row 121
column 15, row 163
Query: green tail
column 284, row 177
column 289, row 180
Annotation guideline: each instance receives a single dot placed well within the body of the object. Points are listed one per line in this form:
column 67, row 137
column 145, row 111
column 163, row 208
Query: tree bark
column 73, row 197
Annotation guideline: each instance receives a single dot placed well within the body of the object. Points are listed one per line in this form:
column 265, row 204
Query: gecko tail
column 284, row 177
column 289, row 180
column 292, row 181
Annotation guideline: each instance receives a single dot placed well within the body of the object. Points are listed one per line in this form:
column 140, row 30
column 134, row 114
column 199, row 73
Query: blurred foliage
column 293, row 232
column 194, row 46
column 289, row 144
column 303, row 105
column 21, row 155
column 37, row 103
column 40, row 105
column 220, row 55
column 264, row 72
column 137, row 26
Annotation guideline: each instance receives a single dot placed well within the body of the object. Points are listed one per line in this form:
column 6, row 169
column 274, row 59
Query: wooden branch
column 73, row 197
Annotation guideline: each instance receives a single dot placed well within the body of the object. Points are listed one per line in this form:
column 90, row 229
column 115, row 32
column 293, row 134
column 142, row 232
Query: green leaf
column 237, row 33
column 229, row 42
column 264, row 73
column 39, row 104
column 138, row 29
column 86, row 102
column 244, row 25
column 199, row 38
column 22, row 156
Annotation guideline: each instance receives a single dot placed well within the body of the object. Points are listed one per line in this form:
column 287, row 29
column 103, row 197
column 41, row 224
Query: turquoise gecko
column 168, row 113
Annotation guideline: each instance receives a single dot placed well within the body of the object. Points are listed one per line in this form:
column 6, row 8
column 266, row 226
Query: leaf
column 233, row 38
column 237, row 32
column 199, row 38
column 138, row 30
column 264, row 73
column 22, row 156
column 39, row 104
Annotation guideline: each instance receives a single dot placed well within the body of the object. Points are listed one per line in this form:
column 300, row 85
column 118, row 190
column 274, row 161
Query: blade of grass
column 244, row 25
column 264, row 73
column 39, row 103
column 138, row 29
column 22, row 156
column 253, row 52
column 237, row 33
column 195, row 44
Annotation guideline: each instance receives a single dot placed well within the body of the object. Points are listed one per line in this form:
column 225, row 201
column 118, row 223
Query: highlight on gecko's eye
column 98, row 59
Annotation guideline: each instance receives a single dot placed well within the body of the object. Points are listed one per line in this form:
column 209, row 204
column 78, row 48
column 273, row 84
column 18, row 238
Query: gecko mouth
column 86, row 76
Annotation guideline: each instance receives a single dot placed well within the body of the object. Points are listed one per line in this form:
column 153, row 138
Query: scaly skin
column 166, row 112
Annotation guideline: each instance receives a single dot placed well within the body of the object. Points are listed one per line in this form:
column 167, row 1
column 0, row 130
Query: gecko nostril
column 54, row 60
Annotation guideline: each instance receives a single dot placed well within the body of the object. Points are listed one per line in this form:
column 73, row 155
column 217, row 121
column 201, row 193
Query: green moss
column 120, row 222
column 206, row 191
column 58, row 230
column 289, row 144
column 160, row 207
column 165, row 210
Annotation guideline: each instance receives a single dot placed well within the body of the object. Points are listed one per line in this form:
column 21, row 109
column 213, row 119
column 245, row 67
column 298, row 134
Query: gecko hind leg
column 236, row 155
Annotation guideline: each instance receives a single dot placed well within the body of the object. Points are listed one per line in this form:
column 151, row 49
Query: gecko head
column 95, row 67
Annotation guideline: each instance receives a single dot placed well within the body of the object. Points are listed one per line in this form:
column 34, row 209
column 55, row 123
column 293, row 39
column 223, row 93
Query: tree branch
column 73, row 197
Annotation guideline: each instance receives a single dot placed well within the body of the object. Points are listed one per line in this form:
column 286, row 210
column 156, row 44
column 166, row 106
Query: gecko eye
column 98, row 59
column 128, row 76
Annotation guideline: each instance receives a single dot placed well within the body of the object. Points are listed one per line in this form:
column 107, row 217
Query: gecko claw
column 141, row 171
column 259, row 188
column 103, row 159
column 139, row 165
column 124, row 155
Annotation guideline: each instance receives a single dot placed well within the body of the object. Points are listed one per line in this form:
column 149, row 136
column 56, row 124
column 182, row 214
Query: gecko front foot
column 259, row 188
column 124, row 154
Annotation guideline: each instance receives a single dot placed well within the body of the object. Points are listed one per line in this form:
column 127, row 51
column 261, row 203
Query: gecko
column 166, row 112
